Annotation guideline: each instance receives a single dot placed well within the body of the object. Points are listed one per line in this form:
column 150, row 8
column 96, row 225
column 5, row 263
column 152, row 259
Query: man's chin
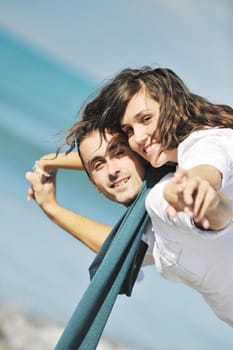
column 126, row 200
column 125, row 197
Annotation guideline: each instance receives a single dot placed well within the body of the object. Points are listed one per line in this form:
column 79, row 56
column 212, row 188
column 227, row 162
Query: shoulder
column 208, row 146
column 205, row 134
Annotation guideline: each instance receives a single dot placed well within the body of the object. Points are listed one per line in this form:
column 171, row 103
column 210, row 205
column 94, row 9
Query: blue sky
column 193, row 37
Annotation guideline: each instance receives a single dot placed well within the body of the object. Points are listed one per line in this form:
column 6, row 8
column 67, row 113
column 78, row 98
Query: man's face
column 115, row 170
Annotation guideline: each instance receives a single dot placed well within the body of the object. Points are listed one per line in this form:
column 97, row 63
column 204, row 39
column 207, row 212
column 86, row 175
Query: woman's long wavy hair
column 181, row 112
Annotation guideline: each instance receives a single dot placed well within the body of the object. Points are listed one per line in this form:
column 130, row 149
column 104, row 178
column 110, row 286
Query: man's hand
column 42, row 190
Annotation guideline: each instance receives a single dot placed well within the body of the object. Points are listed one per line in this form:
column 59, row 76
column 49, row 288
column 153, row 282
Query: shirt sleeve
column 185, row 222
column 181, row 223
column 149, row 238
column 206, row 148
column 148, row 260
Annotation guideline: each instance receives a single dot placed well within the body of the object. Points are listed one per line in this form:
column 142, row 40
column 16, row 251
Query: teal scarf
column 113, row 272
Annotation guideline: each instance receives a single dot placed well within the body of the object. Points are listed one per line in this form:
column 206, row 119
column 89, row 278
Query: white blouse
column 182, row 252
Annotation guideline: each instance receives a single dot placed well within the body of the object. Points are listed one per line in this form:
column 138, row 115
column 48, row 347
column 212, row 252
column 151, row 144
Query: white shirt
column 210, row 146
column 182, row 252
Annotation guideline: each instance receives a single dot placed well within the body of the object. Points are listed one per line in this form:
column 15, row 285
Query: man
column 117, row 173
column 115, row 170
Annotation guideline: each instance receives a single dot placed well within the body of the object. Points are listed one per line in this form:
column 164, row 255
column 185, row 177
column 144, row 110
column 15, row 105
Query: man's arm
column 89, row 232
column 195, row 191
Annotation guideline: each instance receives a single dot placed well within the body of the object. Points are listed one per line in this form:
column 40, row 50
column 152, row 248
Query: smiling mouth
column 120, row 183
column 151, row 147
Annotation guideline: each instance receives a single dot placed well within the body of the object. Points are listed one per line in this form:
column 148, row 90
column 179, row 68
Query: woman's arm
column 51, row 162
column 195, row 192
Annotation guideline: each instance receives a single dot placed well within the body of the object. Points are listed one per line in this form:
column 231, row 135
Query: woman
column 165, row 122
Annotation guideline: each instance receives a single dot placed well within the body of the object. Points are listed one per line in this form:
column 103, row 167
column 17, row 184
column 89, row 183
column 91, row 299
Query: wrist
column 50, row 208
column 48, row 162
column 40, row 170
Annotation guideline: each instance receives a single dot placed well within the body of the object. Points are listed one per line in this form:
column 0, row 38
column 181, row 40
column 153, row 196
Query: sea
column 44, row 270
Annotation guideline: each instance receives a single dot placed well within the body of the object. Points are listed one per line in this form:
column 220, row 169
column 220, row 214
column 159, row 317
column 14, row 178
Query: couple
column 191, row 210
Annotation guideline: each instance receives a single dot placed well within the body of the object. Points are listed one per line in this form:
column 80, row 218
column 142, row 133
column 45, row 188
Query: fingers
column 185, row 188
column 28, row 176
column 30, row 193
column 42, row 184
column 36, row 181
column 180, row 178
column 33, row 178
column 188, row 191
column 195, row 197
column 207, row 199
column 201, row 199
column 205, row 223
column 171, row 211
column 204, row 198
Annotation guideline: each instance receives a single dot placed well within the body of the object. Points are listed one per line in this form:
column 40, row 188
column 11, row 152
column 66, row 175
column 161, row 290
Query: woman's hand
column 193, row 195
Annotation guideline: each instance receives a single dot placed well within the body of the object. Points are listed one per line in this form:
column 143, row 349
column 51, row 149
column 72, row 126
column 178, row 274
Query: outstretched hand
column 195, row 196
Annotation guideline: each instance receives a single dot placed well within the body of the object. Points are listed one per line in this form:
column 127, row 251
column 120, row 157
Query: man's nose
column 113, row 168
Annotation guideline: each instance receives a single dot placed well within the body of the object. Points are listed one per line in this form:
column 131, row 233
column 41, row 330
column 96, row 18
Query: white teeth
column 150, row 148
column 120, row 183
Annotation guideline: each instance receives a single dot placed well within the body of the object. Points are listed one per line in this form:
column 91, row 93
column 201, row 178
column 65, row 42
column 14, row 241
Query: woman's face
column 140, row 123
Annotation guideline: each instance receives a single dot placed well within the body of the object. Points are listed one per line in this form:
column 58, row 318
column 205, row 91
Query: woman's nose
column 139, row 135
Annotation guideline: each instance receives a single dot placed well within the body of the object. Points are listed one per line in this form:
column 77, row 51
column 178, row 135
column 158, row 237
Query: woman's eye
column 146, row 118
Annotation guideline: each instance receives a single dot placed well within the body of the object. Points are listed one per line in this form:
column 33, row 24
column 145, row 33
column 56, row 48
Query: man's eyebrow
column 112, row 147
column 93, row 161
column 116, row 143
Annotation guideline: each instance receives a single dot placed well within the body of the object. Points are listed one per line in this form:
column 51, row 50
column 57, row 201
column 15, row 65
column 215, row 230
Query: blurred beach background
column 53, row 56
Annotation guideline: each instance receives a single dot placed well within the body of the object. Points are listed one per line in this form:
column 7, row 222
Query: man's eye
column 128, row 130
column 98, row 165
column 120, row 152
